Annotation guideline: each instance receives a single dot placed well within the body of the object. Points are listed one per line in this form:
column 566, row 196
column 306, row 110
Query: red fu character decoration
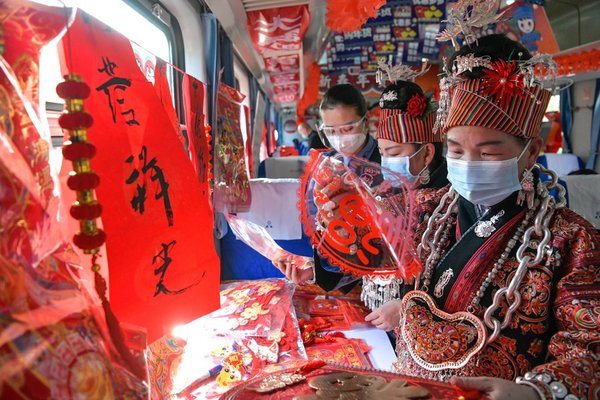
column 86, row 208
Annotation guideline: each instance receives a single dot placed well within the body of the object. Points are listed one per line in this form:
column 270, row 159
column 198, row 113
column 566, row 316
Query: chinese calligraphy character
column 156, row 174
column 118, row 85
column 165, row 260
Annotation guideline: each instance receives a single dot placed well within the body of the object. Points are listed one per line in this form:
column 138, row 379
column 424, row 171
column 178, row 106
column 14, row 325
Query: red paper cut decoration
column 311, row 91
column 231, row 184
column 350, row 15
column 160, row 248
column 356, row 219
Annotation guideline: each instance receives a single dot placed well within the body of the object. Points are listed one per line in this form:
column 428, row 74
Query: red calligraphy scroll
column 194, row 92
column 232, row 187
column 163, row 266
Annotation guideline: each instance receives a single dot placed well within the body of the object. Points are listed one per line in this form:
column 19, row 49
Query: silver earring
column 425, row 176
column 527, row 189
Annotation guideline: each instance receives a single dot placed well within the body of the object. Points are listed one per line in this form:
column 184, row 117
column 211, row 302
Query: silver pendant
column 438, row 291
column 484, row 229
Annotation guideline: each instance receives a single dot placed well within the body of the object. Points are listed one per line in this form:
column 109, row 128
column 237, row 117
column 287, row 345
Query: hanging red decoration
column 86, row 209
column 350, row 15
column 311, row 91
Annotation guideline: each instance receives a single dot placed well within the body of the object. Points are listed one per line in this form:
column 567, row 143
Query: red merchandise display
column 160, row 249
column 258, row 341
column 54, row 341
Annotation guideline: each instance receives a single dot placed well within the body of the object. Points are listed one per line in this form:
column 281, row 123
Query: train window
column 149, row 36
column 553, row 106
column 148, row 40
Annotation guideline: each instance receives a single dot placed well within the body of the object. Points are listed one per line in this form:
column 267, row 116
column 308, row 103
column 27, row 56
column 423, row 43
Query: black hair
column 438, row 157
column 403, row 92
column 344, row 95
column 497, row 47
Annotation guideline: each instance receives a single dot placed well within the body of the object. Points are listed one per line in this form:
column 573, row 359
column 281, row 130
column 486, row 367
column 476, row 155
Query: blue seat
column 240, row 261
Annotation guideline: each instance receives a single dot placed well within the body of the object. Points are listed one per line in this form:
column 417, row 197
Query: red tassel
column 75, row 120
column 73, row 151
column 83, row 181
column 73, row 90
column 115, row 331
column 85, row 211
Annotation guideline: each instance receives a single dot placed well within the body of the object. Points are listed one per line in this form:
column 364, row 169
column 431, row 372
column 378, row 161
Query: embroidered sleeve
column 573, row 371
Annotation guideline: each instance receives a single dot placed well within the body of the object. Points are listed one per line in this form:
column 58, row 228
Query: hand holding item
column 386, row 317
column 298, row 269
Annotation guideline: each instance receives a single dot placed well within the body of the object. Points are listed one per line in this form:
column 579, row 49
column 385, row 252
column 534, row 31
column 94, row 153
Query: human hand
column 387, row 316
column 496, row 388
column 297, row 269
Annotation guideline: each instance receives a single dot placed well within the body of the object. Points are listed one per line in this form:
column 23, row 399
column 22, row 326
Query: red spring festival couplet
column 162, row 264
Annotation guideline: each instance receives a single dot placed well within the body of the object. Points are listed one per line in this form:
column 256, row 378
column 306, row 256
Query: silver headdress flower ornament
column 394, row 74
column 466, row 15
column 399, row 72
column 503, row 83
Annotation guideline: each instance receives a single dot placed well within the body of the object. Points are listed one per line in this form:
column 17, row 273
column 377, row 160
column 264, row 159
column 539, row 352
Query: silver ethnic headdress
column 398, row 72
column 466, row 15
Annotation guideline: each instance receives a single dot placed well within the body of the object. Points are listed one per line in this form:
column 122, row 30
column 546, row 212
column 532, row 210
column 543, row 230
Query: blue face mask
column 400, row 165
column 486, row 183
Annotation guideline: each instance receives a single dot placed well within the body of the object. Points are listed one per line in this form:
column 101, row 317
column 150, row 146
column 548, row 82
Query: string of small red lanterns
column 86, row 209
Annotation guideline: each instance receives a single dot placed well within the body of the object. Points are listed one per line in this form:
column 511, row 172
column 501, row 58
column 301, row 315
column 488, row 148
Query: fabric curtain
column 595, row 137
column 209, row 35
column 226, row 52
column 566, row 117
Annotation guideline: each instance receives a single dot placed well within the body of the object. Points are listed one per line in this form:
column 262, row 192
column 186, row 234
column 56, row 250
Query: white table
column 382, row 354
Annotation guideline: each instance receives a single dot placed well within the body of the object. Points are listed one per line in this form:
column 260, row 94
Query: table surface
column 382, row 354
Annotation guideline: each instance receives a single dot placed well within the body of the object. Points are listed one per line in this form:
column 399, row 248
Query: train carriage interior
column 201, row 116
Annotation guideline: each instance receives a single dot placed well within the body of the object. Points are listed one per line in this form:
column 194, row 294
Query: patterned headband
column 509, row 97
column 401, row 127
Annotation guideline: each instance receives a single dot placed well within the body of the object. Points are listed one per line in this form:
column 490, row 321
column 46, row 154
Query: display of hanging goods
column 86, row 208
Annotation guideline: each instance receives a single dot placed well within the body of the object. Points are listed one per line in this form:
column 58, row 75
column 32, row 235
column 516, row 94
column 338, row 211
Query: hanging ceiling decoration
column 277, row 35
column 350, row 15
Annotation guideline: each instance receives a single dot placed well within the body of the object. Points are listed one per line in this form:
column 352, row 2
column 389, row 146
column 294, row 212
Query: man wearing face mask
column 510, row 277
column 344, row 127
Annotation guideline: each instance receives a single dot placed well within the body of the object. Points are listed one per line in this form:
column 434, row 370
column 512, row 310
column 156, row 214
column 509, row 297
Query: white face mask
column 399, row 164
column 347, row 144
column 486, row 183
